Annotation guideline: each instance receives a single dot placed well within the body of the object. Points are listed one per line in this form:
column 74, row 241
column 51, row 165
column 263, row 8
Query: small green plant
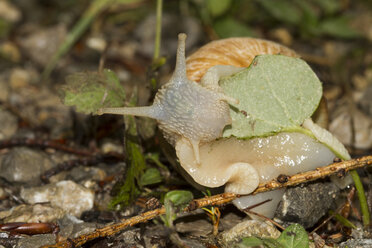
column 174, row 201
column 213, row 213
column 294, row 236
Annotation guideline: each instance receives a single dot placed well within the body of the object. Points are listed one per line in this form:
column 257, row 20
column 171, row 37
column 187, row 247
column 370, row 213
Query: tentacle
column 146, row 111
column 179, row 73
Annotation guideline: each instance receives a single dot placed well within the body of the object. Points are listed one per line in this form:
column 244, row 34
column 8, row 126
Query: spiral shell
column 238, row 52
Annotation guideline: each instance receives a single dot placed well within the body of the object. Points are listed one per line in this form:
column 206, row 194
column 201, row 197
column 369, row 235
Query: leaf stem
column 362, row 197
column 342, row 219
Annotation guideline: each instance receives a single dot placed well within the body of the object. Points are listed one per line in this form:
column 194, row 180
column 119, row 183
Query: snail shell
column 238, row 52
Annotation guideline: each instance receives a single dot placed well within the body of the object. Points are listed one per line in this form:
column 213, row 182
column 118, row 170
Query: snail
column 177, row 104
column 192, row 111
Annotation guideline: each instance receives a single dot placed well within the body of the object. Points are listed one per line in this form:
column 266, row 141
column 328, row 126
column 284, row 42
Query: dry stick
column 219, row 199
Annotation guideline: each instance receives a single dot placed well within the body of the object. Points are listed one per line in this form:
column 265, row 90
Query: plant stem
column 362, row 197
column 93, row 10
column 159, row 7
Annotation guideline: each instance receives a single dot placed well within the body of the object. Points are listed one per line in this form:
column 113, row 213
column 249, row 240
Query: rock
column 84, row 173
column 361, row 232
column 32, row 213
column 71, row 227
column 24, row 165
column 154, row 236
column 306, row 205
column 357, row 243
column 112, row 146
column 37, row 241
column 9, row 12
column 10, row 51
column 46, row 110
column 20, row 77
column 97, row 43
column 352, row 128
column 8, row 124
column 129, row 238
column 41, row 44
column 248, row 228
column 73, row 198
column 197, row 228
column 229, row 220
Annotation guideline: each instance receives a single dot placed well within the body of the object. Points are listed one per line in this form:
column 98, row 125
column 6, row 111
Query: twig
column 219, row 199
column 265, row 218
column 320, row 172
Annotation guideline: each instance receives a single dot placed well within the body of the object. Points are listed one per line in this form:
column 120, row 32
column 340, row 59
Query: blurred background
column 44, row 41
column 41, row 42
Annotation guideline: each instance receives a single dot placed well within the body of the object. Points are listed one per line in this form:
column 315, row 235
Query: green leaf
column 217, row 8
column 179, row 197
column 250, row 241
column 338, row 27
column 135, row 161
column 175, row 198
column 229, row 27
column 342, row 219
column 89, row 91
column 329, row 6
column 151, row 176
column 294, row 236
column 276, row 93
column 282, row 10
column 272, row 243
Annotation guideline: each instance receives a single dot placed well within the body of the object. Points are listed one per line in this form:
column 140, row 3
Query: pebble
column 341, row 126
column 32, row 213
column 42, row 44
column 10, row 51
column 83, row 173
column 198, row 228
column 73, row 198
column 19, row 78
column 71, row 227
column 24, row 165
column 8, row 124
column 306, row 205
column 9, row 12
column 357, row 243
column 37, row 241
